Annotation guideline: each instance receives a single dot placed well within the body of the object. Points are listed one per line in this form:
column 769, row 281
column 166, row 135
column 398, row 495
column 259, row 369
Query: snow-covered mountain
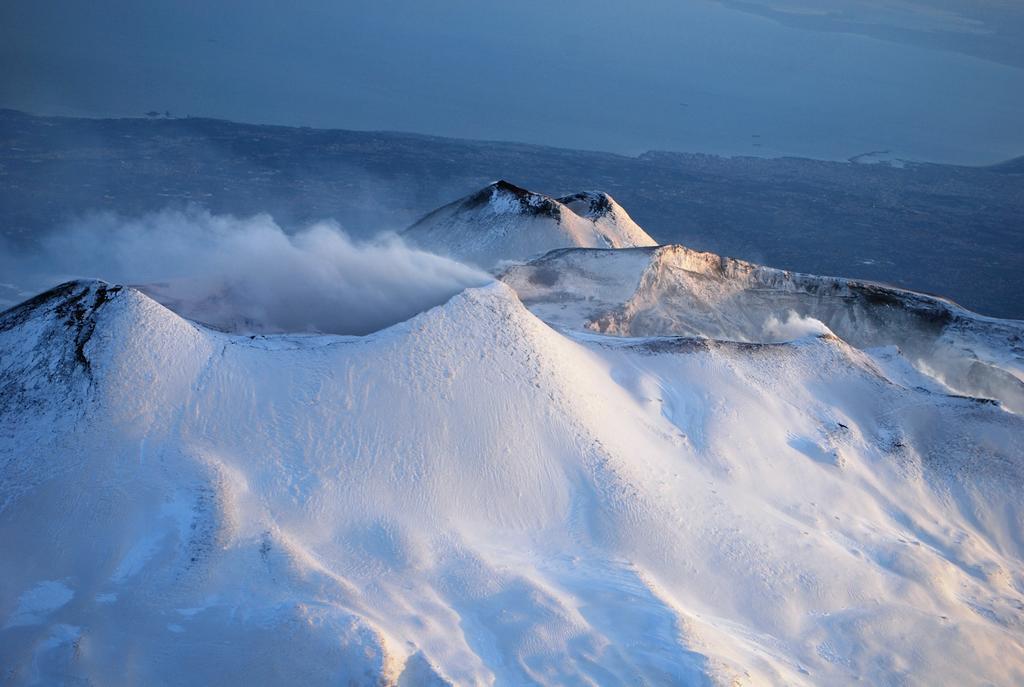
column 504, row 222
column 640, row 466
column 676, row 291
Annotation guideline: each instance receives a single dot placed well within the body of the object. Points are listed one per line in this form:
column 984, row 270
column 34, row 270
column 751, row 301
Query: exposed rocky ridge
column 672, row 291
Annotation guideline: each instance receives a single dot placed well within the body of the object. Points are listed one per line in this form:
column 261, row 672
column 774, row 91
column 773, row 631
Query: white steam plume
column 793, row 327
column 250, row 275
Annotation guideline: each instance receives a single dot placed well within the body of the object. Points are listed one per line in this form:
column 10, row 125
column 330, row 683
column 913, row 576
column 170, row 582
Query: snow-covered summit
column 502, row 197
column 605, row 212
column 592, row 204
column 473, row 497
column 505, row 222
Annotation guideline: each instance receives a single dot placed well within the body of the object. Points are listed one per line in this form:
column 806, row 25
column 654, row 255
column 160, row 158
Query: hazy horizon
column 732, row 78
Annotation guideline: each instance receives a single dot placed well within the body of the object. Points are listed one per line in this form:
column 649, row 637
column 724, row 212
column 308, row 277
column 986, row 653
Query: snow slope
column 475, row 497
column 504, row 222
column 676, row 291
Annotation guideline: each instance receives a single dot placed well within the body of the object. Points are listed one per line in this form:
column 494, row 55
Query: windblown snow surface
column 674, row 470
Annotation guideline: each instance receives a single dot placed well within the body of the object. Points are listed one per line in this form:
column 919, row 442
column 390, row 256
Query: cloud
column 795, row 326
column 248, row 274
